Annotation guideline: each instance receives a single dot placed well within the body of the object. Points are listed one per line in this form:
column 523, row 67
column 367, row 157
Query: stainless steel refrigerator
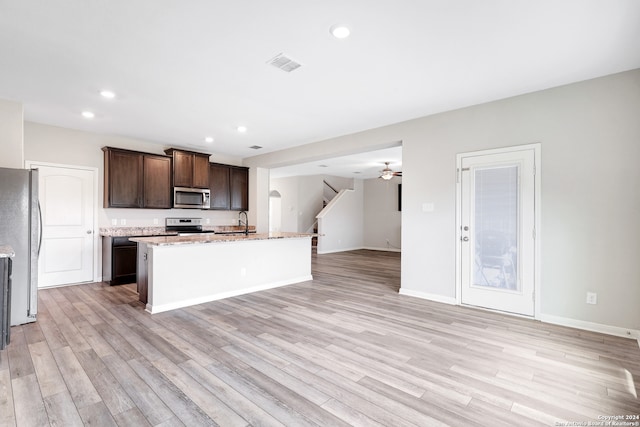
column 20, row 225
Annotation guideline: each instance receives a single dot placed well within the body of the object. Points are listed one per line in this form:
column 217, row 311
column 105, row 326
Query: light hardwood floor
column 343, row 349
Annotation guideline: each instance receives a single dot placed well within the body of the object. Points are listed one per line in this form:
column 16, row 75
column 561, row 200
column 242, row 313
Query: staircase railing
column 330, row 186
column 328, row 193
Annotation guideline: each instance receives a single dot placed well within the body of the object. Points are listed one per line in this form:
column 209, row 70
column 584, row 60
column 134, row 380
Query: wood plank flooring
column 343, row 349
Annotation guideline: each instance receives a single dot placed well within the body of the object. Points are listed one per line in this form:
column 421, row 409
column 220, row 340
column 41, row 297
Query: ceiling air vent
column 284, row 63
column 255, row 147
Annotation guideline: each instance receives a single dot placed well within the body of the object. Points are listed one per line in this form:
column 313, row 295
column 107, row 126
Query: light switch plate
column 428, row 207
column 592, row 298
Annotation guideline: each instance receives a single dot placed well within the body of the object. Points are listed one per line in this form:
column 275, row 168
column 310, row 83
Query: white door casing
column 67, row 200
column 497, row 222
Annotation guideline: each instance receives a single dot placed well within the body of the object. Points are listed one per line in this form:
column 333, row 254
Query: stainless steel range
column 185, row 226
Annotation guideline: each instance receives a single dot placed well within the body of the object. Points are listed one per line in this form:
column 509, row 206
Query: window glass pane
column 496, row 227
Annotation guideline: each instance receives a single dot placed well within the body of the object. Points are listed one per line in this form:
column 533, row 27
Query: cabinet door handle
column 89, row 231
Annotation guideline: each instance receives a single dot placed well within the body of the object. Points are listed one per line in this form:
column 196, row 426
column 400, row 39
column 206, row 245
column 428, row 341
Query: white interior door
column 497, row 230
column 67, row 203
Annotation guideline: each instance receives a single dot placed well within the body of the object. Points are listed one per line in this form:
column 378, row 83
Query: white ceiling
column 361, row 166
column 183, row 70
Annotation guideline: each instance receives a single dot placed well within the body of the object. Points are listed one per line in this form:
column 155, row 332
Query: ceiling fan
column 387, row 173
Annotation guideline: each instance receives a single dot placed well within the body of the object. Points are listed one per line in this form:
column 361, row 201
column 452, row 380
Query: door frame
column 33, row 164
column 537, row 152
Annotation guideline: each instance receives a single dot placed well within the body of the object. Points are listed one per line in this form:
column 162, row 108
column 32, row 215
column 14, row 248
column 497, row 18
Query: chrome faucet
column 246, row 222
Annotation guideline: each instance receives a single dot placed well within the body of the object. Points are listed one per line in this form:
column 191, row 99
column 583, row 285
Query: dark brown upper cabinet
column 123, row 179
column 239, row 188
column 229, row 186
column 219, row 176
column 189, row 169
column 157, row 181
column 136, row 180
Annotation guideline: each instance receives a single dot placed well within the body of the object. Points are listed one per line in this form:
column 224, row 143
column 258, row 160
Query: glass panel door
column 496, row 227
column 496, row 240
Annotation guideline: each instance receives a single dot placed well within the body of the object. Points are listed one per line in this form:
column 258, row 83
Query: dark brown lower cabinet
column 119, row 260
column 143, row 276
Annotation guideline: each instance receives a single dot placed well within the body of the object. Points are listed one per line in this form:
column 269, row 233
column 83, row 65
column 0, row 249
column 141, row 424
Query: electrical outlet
column 155, row 221
column 114, row 222
column 592, row 298
column 208, row 220
column 123, row 222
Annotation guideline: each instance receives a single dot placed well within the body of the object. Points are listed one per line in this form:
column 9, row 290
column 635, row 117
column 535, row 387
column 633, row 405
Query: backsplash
column 156, row 217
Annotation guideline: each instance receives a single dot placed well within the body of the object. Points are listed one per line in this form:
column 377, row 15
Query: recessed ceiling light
column 107, row 94
column 340, row 31
column 241, row 129
column 208, row 139
column 323, row 166
column 88, row 115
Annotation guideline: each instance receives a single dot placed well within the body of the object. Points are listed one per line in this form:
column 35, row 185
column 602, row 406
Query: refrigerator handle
column 39, row 228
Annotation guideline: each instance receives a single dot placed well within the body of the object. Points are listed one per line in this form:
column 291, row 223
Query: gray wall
column 382, row 219
column 51, row 144
column 590, row 236
column 11, row 135
column 301, row 201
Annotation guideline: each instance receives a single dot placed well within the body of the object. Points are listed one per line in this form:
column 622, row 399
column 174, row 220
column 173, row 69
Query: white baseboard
column 333, row 251
column 547, row 318
column 590, row 326
column 430, row 297
column 382, row 249
column 208, row 298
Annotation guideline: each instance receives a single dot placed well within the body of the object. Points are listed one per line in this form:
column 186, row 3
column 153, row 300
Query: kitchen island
column 179, row 271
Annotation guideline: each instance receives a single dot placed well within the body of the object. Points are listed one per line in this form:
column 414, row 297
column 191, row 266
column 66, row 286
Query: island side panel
column 184, row 275
column 142, row 272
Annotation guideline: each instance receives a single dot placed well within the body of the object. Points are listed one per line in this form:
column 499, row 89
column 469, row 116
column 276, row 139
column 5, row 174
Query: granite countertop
column 216, row 238
column 160, row 231
column 6, row 251
column 134, row 231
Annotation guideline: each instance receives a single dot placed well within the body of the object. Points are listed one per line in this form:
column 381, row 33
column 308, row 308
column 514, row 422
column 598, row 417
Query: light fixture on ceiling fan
column 387, row 173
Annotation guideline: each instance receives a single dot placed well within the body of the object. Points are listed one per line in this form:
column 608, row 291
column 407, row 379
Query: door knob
column 89, row 231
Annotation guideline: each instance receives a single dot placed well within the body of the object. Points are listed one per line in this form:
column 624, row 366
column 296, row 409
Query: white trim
column 64, row 285
column 590, row 326
column 340, row 250
column 371, row 248
column 545, row 318
column 537, row 150
column 97, row 270
column 428, row 296
column 504, row 313
column 201, row 300
column 333, row 202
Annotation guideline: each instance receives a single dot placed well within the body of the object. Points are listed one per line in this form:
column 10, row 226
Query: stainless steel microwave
column 191, row 198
